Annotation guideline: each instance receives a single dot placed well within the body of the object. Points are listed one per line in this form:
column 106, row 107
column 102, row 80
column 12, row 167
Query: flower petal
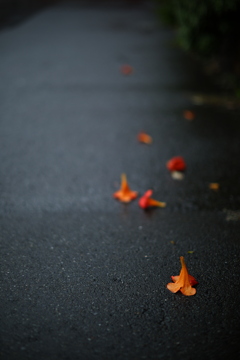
column 214, row 186
column 189, row 115
column 126, row 69
column 192, row 280
column 188, row 290
column 173, row 287
column 144, row 138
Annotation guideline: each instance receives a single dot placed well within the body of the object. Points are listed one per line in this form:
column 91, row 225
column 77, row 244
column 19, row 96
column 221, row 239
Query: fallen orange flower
column 177, row 163
column 125, row 194
column 183, row 282
column 189, row 115
column 145, row 201
column 214, row 186
column 126, row 69
column 144, row 138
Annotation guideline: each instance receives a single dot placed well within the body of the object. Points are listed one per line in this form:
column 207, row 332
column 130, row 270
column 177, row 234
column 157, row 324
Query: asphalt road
column 82, row 275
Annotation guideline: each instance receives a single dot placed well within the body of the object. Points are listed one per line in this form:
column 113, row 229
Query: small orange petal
column 126, row 69
column 188, row 291
column 214, row 186
column 192, row 280
column 144, row 138
column 175, row 278
column 125, row 194
column 173, row 287
column 189, row 115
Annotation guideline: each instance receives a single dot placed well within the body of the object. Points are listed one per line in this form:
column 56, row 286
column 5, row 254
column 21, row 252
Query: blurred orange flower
column 214, row 186
column 189, row 115
column 126, row 69
column 145, row 201
column 144, row 138
column 183, row 282
column 177, row 163
column 125, row 194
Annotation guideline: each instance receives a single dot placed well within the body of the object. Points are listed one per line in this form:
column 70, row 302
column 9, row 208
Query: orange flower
column 214, row 186
column 177, row 163
column 183, row 282
column 126, row 69
column 125, row 194
column 145, row 201
column 144, row 138
column 189, row 115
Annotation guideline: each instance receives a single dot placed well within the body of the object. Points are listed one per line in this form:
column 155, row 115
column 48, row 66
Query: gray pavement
column 82, row 275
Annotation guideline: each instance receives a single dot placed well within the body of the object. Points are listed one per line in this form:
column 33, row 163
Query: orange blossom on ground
column 214, row 186
column 183, row 282
column 125, row 194
column 189, row 115
column 177, row 163
column 126, row 69
column 145, row 201
column 144, row 138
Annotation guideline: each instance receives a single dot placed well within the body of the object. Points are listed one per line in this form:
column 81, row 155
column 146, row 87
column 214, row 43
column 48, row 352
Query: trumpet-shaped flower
column 183, row 282
column 144, row 138
column 125, row 194
column 146, row 201
column 177, row 163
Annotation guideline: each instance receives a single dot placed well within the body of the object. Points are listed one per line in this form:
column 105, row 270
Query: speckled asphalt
column 82, row 275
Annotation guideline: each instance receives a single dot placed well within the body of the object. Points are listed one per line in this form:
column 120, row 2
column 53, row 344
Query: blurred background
column 84, row 276
column 207, row 29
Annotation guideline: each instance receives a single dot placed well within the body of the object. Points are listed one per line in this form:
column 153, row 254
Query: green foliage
column 203, row 25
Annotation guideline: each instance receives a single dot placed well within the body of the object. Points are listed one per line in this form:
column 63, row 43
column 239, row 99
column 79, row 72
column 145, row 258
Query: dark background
column 82, row 275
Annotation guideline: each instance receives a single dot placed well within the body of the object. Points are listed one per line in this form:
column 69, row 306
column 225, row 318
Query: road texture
column 84, row 276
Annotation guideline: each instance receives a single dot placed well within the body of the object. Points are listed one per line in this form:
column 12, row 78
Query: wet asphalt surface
column 82, row 275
